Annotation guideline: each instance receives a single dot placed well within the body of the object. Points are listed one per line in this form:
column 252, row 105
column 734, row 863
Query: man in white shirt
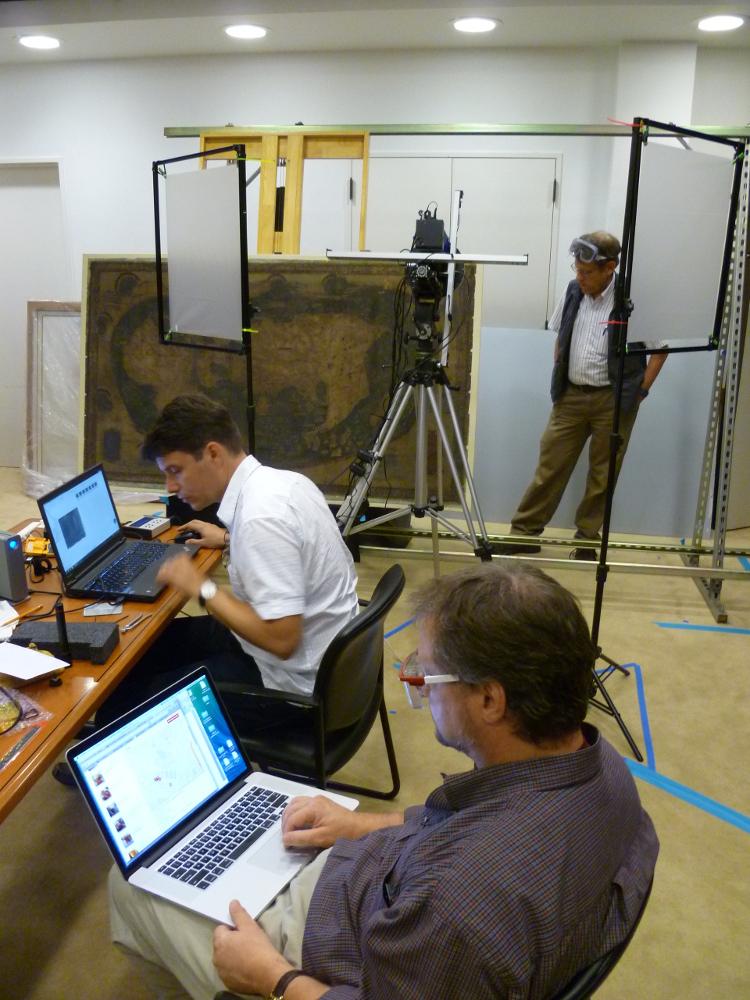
column 293, row 584
column 583, row 397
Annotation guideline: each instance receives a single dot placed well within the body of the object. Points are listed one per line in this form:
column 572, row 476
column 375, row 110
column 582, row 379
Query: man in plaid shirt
column 509, row 879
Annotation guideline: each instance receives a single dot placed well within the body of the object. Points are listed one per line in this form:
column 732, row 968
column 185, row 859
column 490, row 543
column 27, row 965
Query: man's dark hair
column 188, row 423
column 520, row 627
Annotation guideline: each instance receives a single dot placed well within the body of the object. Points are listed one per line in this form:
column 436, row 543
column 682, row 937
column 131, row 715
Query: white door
column 398, row 188
column 507, row 208
column 331, row 196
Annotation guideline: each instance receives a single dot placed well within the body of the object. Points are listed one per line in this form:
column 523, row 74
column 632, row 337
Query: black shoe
column 61, row 773
column 584, row 555
column 515, row 548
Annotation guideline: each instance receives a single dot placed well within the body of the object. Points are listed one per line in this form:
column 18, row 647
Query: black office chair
column 589, row 979
column 336, row 718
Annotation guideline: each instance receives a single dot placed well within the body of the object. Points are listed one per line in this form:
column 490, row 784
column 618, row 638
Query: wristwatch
column 277, row 993
column 644, row 393
column 208, row 591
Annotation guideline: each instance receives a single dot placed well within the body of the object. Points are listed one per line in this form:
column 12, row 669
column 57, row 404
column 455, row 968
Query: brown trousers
column 577, row 416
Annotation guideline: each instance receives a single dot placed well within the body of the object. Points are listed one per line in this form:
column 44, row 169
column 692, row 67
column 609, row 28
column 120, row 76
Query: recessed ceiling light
column 39, row 41
column 245, row 31
column 721, row 22
column 475, row 25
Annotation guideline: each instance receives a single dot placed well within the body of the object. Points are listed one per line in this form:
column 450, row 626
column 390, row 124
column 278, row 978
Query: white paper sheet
column 27, row 664
column 8, row 614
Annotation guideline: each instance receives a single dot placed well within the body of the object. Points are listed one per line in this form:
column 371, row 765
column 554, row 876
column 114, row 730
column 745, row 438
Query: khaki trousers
column 577, row 416
column 173, row 947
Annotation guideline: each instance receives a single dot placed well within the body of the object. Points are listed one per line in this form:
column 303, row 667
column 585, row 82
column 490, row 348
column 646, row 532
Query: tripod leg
column 353, row 500
column 615, row 666
column 467, row 471
column 611, row 709
column 484, row 550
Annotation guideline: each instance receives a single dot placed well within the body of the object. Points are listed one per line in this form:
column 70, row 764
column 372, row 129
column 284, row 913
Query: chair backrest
column 583, row 984
column 351, row 669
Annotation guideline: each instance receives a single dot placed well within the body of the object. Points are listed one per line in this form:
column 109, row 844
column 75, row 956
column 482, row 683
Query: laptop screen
column 157, row 766
column 80, row 517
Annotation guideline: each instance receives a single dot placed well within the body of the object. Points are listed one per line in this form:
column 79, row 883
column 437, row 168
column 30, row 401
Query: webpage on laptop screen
column 146, row 777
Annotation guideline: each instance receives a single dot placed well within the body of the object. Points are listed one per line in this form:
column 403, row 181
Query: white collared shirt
column 287, row 557
column 589, row 342
column 588, row 363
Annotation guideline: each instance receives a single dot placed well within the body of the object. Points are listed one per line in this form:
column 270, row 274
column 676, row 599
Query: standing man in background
column 583, row 397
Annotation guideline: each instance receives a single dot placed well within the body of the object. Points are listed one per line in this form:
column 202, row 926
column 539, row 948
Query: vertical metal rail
column 717, row 453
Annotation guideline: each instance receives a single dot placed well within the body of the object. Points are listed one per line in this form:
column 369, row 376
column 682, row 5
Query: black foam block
column 92, row 641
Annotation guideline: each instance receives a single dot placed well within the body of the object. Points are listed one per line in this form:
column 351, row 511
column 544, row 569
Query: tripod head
column 428, row 279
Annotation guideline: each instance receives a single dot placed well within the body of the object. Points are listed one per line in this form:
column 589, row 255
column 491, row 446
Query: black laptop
column 94, row 556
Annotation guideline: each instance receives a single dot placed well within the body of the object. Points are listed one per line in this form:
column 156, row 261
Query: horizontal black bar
column 192, row 156
column 693, row 133
column 168, row 342
column 711, row 346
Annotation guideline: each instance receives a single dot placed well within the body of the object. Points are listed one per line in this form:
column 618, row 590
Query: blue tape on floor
column 645, row 725
column 704, row 628
column 398, row 628
column 710, row 806
column 744, row 562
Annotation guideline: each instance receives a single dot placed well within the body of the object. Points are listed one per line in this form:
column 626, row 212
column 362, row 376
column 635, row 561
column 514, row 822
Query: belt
column 590, row 388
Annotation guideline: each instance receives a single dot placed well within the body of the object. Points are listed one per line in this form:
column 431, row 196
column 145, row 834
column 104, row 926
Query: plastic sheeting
column 53, row 393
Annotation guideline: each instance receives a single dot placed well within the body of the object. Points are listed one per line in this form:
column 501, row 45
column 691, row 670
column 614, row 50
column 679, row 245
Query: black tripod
column 604, row 702
column 618, row 328
column 427, row 385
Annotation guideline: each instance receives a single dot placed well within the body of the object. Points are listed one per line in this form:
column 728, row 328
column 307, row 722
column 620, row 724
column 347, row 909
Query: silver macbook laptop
column 94, row 556
column 180, row 808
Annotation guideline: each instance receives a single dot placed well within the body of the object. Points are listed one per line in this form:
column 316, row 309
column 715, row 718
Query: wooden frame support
column 294, row 147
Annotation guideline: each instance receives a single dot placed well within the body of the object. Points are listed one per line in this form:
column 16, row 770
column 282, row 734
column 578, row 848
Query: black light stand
column 167, row 336
column 618, row 328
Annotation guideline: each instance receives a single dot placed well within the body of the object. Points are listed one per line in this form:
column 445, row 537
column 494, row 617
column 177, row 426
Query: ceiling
column 122, row 29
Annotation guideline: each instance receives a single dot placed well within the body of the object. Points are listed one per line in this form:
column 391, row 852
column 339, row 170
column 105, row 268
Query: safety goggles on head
column 587, row 253
column 416, row 682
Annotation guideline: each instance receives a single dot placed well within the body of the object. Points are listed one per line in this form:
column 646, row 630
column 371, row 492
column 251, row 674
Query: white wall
column 105, row 120
column 32, row 251
column 722, row 88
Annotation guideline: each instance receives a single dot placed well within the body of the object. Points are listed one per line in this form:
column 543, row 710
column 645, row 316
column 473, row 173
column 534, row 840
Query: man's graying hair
column 609, row 245
column 521, row 628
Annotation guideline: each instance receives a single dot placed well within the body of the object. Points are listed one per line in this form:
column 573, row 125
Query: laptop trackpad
column 274, row 857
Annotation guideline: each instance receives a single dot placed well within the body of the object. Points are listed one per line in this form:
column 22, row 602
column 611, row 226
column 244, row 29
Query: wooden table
column 84, row 685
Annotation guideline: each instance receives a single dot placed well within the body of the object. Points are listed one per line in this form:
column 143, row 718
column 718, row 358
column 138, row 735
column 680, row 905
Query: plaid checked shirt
column 507, row 881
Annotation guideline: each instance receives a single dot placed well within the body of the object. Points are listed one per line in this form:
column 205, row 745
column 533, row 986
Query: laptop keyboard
column 131, row 564
column 207, row 856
